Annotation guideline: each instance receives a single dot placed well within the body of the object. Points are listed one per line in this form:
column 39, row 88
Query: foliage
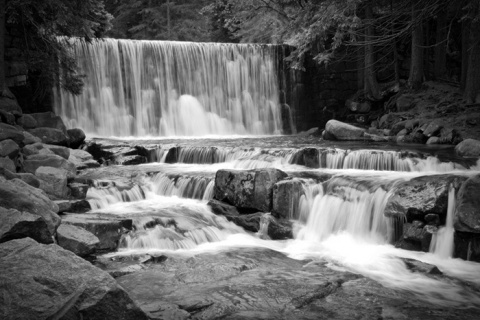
column 159, row 20
column 41, row 22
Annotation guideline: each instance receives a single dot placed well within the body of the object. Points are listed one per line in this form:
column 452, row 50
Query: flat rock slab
column 263, row 284
column 76, row 239
column 108, row 229
column 47, row 282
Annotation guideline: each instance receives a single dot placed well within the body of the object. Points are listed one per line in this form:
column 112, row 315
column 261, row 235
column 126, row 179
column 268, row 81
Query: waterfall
column 166, row 88
column 442, row 242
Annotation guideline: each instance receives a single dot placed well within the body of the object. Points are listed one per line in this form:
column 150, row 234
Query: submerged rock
column 47, row 282
column 252, row 189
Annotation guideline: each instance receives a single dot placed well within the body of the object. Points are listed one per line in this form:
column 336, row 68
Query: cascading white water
column 442, row 242
column 164, row 88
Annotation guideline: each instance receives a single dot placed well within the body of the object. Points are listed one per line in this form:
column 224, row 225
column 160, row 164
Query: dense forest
column 435, row 39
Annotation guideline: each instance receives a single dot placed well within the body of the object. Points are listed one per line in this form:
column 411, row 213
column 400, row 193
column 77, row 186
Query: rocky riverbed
column 170, row 229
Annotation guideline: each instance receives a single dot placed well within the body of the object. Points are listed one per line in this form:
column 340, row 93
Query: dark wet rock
column 78, row 190
column 27, row 121
column 413, row 231
column 18, row 225
column 10, row 132
column 467, row 246
column 468, row 148
column 59, row 285
column 428, row 232
column 7, row 164
column 411, row 124
column 422, row 267
column 73, row 206
column 8, row 148
column 415, row 137
column 108, row 229
column 467, row 213
column 251, row 189
column 172, row 155
column 450, row 136
column 222, row 208
column 76, row 137
column 63, row 152
column 286, row 196
column 416, row 236
column 422, row 195
column 33, row 162
column 7, row 117
column 76, row 239
column 130, row 160
column 53, row 181
column 49, row 120
column 308, row 157
column 50, row 135
column 279, row 229
column 432, row 219
column 250, row 222
column 344, row 131
column 16, row 194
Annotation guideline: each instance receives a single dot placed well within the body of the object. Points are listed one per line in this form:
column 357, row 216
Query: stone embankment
column 43, row 232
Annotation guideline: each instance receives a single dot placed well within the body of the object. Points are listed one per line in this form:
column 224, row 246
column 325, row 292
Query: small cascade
column 167, row 88
column 442, row 242
column 182, row 186
column 171, row 226
column 353, row 209
column 103, row 197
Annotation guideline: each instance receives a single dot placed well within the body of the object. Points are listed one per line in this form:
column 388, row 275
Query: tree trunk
column 372, row 88
column 472, row 84
column 416, row 66
column 3, row 84
column 465, row 41
column 441, row 47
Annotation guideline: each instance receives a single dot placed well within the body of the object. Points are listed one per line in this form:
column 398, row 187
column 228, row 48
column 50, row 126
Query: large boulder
column 8, row 148
column 467, row 213
column 33, row 162
column 17, row 225
column 286, row 196
column 405, row 102
column 76, row 239
column 16, row 194
column 108, row 230
column 53, row 181
column 468, row 148
column 10, row 132
column 27, row 121
column 343, row 131
column 415, row 198
column 26, row 177
column 7, row 117
column 50, row 135
column 75, row 138
column 247, row 189
column 49, row 120
column 47, row 282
